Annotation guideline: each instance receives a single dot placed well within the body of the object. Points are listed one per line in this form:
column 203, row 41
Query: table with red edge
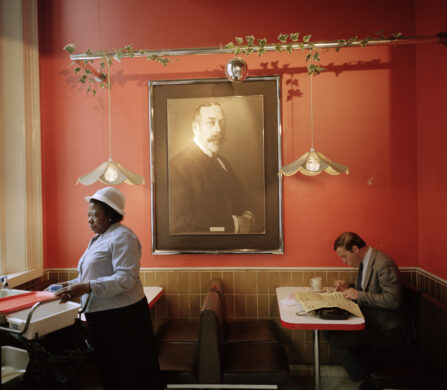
column 153, row 294
column 291, row 320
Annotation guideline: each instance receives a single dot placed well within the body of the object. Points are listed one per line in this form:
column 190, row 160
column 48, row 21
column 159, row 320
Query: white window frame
column 21, row 238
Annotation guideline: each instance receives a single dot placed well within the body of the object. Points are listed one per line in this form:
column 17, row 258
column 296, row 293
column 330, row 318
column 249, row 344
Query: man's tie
column 359, row 277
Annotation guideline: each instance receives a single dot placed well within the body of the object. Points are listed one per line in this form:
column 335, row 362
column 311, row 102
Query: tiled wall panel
column 250, row 293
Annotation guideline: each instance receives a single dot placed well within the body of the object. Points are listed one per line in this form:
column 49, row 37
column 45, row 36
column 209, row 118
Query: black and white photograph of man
column 216, row 165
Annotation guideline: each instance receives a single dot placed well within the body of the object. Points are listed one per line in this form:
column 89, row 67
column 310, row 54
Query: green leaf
column 102, row 65
column 316, row 56
column 283, row 37
column 310, row 69
column 94, row 92
column 289, row 49
column 229, row 45
column 78, row 69
column 239, row 40
column 364, row 42
column 128, row 47
column 397, row 35
column 278, row 47
column 88, row 52
column 262, row 42
column 237, row 50
column 306, row 38
column 261, row 51
column 308, row 56
column 250, row 39
column 70, row 47
column 294, row 36
column 87, row 71
column 351, row 40
column 118, row 55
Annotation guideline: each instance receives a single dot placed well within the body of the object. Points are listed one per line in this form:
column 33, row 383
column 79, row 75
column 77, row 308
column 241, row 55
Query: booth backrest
column 411, row 297
column 433, row 334
column 211, row 338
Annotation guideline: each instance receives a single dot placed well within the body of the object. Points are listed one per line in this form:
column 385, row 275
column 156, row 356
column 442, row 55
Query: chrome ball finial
column 236, row 70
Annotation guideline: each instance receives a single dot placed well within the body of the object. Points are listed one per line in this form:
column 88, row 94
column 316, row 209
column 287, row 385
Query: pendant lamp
column 110, row 172
column 313, row 163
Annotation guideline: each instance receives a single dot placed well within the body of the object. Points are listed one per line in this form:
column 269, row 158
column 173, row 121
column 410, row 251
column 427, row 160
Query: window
column 21, row 243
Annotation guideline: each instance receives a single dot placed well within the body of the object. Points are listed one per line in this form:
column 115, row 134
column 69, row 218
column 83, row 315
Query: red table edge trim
column 157, row 297
column 42, row 295
column 288, row 325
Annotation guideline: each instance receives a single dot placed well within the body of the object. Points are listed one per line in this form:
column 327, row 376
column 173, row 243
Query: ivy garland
column 86, row 76
column 291, row 42
column 286, row 43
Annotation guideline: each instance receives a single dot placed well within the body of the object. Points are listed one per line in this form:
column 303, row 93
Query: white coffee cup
column 315, row 283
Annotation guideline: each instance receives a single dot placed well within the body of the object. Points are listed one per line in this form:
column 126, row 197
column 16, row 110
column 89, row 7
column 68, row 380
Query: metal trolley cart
column 51, row 339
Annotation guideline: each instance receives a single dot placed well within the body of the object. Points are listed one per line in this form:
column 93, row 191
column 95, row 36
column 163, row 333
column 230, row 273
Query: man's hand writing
column 341, row 285
column 351, row 293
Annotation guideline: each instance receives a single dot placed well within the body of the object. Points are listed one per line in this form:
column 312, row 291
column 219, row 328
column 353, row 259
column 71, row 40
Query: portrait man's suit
column 380, row 302
column 202, row 195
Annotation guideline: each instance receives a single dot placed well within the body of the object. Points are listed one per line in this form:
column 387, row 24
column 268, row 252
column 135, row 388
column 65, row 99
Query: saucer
column 316, row 291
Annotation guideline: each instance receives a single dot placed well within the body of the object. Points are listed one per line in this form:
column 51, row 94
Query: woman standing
column 118, row 314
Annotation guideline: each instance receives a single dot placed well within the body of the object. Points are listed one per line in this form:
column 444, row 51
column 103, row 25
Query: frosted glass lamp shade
column 110, row 172
column 313, row 163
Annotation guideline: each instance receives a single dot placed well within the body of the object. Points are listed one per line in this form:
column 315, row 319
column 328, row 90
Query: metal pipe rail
column 440, row 38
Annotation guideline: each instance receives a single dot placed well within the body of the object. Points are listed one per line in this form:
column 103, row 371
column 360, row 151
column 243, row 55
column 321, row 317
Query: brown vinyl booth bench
column 211, row 362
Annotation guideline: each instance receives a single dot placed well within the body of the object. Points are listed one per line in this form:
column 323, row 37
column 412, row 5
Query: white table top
column 153, row 294
column 289, row 318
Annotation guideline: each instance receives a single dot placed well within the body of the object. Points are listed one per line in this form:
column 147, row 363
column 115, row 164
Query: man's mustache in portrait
column 216, row 138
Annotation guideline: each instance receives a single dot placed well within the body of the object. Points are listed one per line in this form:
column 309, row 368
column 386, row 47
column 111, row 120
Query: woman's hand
column 73, row 291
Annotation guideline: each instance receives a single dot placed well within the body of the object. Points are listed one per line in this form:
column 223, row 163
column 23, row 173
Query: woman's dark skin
column 99, row 222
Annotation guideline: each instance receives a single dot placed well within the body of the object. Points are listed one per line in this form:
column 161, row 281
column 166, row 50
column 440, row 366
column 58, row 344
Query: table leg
column 317, row 359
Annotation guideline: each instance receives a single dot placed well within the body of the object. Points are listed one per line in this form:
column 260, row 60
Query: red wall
column 431, row 61
column 364, row 107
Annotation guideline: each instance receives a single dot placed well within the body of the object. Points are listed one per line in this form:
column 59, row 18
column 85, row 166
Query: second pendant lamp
column 313, row 163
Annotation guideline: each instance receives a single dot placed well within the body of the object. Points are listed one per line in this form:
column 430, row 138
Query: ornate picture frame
column 215, row 155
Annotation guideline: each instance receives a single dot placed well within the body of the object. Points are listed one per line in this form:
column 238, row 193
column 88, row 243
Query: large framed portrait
column 215, row 156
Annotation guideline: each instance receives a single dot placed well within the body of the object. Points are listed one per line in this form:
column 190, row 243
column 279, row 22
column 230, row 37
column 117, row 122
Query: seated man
column 378, row 292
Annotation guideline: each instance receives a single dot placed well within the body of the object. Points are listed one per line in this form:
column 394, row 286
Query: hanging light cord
column 109, row 86
column 311, row 111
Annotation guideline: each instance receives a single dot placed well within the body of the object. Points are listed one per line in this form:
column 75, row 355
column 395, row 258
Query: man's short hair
column 347, row 240
column 197, row 113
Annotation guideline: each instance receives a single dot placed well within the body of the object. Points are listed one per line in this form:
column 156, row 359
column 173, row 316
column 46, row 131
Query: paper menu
column 312, row 301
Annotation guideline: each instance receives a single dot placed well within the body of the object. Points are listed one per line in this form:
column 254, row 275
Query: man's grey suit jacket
column 380, row 300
